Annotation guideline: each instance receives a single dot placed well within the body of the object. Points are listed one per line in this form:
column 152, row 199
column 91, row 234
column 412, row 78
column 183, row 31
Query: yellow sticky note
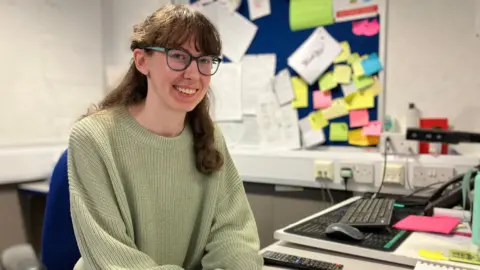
column 306, row 14
column 300, row 88
column 317, row 121
column 342, row 74
column 327, row 82
column 358, row 68
column 363, row 82
column 338, row 132
column 355, row 137
column 352, row 58
column 344, row 54
column 361, row 100
column 337, row 109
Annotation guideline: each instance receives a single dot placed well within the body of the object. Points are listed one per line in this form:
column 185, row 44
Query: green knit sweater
column 138, row 201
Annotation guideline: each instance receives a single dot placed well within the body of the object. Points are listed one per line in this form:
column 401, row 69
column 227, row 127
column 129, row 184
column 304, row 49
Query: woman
column 152, row 185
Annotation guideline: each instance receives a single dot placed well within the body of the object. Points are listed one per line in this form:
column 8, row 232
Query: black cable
column 385, row 154
column 420, row 190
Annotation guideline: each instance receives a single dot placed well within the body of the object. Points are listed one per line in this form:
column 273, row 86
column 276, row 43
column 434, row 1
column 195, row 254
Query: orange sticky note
column 374, row 128
column 359, row 118
column 322, row 99
column 355, row 137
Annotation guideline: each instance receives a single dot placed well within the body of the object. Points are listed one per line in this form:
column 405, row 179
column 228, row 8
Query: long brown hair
column 170, row 27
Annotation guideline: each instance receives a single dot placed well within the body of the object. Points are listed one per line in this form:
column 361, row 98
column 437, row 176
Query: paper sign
column 338, row 132
column 359, row 118
column 342, row 74
column 258, row 8
column 282, row 86
column 357, row 68
column 348, row 89
column 337, row 109
column 327, row 82
column 355, row 137
column 371, row 66
column 322, row 100
column 306, row 14
column 374, row 128
column 344, row 54
column 347, row 10
column 317, row 121
column 300, row 88
column 310, row 137
column 315, row 55
column 352, row 58
column 363, row 82
column 360, row 100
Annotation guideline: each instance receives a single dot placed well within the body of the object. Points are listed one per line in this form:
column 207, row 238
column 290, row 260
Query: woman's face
column 179, row 91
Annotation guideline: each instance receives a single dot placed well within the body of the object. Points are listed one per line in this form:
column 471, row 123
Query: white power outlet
column 394, row 174
column 398, row 144
column 427, row 175
column 362, row 172
column 323, row 170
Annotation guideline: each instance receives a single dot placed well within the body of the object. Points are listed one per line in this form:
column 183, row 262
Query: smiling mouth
column 186, row 91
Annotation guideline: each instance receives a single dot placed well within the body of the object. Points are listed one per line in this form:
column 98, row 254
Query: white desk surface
column 40, row 187
column 349, row 262
column 406, row 254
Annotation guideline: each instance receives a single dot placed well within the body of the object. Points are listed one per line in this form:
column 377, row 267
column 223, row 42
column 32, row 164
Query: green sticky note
column 327, row 82
column 362, row 82
column 306, row 14
column 338, row 132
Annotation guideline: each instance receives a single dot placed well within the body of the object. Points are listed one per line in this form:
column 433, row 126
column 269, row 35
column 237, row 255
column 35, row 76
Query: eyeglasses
column 180, row 60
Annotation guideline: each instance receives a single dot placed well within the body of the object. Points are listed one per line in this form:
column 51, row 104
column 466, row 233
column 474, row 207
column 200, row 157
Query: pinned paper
column 344, row 54
column 359, row 118
column 355, row 137
column 322, row 100
column 337, row 109
column 371, row 65
column 358, row 68
column 348, row 89
column 327, row 82
column 338, row 132
column 360, row 100
column 363, row 82
column 374, row 128
column 301, row 93
column 317, row 121
column 310, row 137
column 306, row 14
column 352, row 58
column 358, row 27
column 366, row 28
column 342, row 74
column 375, row 88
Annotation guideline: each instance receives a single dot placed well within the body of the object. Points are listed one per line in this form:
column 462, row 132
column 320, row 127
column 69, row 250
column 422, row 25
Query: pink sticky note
column 358, row 27
column 444, row 225
column 374, row 128
column 359, row 118
column 322, row 99
column 372, row 28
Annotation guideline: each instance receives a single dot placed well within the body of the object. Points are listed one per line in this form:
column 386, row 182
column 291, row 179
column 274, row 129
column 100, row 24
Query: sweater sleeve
column 233, row 242
column 97, row 220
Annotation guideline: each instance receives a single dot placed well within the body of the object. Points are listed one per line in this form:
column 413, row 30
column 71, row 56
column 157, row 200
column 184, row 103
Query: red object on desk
column 444, row 225
column 442, row 123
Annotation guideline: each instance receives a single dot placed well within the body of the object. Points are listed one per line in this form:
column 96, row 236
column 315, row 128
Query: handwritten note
column 355, row 137
column 310, row 137
column 327, row 82
column 288, row 118
column 342, row 74
column 322, row 100
column 360, row 100
column 258, row 8
column 283, row 87
column 337, row 109
column 226, row 86
column 363, row 82
column 269, row 127
column 306, row 14
column 300, row 88
column 374, row 128
column 344, row 54
column 315, row 55
column 338, row 132
column 371, row 65
column 359, row 118
column 317, row 121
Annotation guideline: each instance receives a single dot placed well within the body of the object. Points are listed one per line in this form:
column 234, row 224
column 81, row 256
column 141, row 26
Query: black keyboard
column 370, row 213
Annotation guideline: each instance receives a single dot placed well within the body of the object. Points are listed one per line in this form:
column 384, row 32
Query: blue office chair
column 59, row 246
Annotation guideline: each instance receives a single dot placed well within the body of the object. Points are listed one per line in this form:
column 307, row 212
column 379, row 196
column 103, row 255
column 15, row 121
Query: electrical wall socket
column 362, row 172
column 394, row 174
column 398, row 144
column 323, row 170
column 427, row 175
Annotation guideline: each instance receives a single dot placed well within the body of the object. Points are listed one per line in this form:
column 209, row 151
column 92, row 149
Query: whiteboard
column 52, row 68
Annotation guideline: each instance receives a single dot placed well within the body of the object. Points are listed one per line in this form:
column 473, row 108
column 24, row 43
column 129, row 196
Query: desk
column 349, row 262
column 406, row 254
